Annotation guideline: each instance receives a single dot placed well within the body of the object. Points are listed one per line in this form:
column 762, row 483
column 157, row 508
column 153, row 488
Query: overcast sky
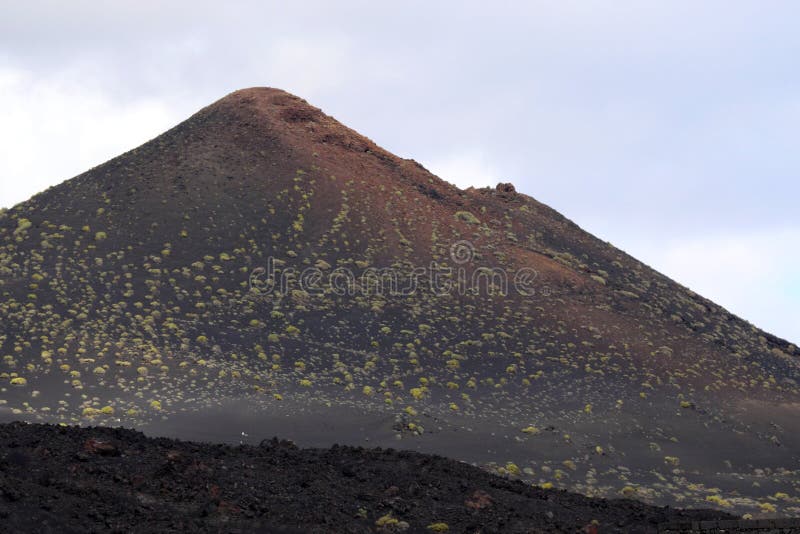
column 668, row 128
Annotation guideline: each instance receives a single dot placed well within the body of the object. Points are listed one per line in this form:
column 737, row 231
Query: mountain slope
column 140, row 291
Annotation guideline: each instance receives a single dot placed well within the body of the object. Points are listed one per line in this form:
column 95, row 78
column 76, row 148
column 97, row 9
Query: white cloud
column 306, row 67
column 753, row 275
column 55, row 128
column 465, row 169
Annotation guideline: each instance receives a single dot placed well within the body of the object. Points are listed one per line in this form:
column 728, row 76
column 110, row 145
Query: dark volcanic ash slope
column 56, row 479
column 136, row 293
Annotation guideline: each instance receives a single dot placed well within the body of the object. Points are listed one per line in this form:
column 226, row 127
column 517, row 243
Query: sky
column 669, row 129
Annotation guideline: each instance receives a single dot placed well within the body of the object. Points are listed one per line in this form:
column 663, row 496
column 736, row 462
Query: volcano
column 261, row 269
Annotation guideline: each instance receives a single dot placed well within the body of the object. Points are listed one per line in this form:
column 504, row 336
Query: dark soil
column 72, row 479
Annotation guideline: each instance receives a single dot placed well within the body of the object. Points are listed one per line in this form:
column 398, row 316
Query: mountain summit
column 261, row 265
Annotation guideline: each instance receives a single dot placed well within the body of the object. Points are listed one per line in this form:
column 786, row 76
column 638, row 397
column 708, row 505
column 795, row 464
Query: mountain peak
column 269, row 101
column 303, row 129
